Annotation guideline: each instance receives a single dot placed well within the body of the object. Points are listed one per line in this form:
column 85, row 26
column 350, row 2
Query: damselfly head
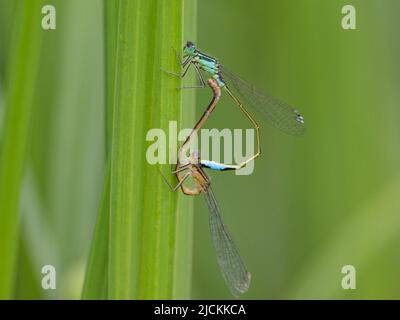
column 189, row 48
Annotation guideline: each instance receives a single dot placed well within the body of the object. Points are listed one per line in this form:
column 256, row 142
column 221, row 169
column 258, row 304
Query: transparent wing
column 279, row 113
column 233, row 269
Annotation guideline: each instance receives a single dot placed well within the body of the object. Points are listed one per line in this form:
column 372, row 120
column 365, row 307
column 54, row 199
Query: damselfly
column 231, row 264
column 190, row 168
column 278, row 112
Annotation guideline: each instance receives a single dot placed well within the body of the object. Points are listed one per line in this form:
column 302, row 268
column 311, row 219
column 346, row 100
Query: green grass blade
column 95, row 286
column 96, row 280
column 27, row 284
column 14, row 145
column 184, row 215
column 142, row 208
column 111, row 26
column 149, row 241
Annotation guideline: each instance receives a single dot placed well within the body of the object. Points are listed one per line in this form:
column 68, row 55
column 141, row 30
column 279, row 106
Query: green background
column 314, row 203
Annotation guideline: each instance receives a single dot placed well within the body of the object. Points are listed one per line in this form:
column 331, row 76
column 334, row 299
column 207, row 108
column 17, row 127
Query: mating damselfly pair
column 277, row 112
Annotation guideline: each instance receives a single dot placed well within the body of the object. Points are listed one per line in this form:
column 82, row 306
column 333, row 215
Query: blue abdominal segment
column 215, row 165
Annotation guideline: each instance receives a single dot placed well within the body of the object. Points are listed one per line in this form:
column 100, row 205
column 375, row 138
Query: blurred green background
column 314, row 203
